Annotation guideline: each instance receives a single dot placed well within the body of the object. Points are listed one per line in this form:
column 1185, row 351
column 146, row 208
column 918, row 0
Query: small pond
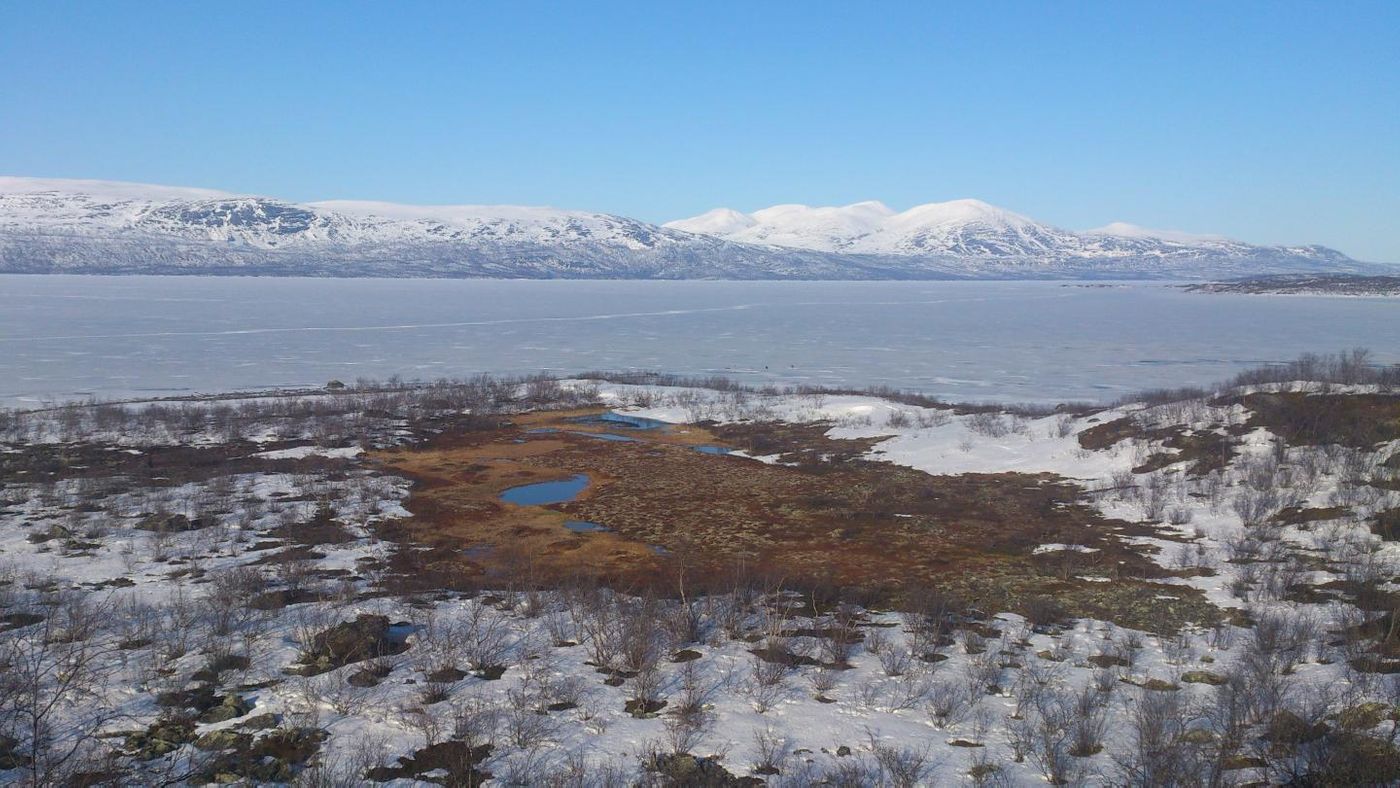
column 585, row 527
column 545, row 493
column 611, row 419
column 607, row 436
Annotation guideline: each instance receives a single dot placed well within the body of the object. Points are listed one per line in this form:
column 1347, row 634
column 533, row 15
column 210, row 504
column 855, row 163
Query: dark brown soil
column 1205, row 450
column 1297, row 515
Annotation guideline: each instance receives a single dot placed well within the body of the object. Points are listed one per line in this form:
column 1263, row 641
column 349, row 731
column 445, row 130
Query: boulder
column 351, row 641
column 232, row 707
column 171, row 523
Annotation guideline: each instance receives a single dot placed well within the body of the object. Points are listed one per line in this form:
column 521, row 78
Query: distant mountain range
column 101, row 227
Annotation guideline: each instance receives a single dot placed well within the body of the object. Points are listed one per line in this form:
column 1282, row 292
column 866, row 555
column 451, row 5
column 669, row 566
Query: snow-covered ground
column 910, row 700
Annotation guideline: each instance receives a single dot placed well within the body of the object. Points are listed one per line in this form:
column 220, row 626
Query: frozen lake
column 67, row 336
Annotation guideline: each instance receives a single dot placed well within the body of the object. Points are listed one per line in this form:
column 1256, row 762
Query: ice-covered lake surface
column 64, row 336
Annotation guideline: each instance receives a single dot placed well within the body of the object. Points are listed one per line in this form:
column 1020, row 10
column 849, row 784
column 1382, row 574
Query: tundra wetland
column 641, row 579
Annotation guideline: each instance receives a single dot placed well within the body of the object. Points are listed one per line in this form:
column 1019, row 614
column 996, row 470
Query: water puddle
column 585, row 527
column 719, row 450
column 611, row 419
column 607, row 436
column 546, row 493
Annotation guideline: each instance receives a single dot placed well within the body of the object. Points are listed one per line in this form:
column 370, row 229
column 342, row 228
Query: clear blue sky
column 1272, row 122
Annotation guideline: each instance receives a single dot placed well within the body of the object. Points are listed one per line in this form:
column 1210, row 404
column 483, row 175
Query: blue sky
column 1271, row 122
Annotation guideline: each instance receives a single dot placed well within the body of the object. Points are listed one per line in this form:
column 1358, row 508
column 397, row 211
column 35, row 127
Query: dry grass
column 838, row 521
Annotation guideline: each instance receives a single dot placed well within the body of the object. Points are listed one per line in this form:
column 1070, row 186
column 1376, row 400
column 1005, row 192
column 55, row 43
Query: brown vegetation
column 1356, row 420
column 828, row 519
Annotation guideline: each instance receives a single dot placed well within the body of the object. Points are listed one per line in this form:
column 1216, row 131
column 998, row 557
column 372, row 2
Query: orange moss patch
column 830, row 518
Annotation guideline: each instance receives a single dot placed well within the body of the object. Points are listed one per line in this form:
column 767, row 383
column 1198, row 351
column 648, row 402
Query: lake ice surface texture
column 63, row 337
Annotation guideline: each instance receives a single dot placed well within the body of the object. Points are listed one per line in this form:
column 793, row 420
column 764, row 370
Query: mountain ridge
column 954, row 226
column 111, row 227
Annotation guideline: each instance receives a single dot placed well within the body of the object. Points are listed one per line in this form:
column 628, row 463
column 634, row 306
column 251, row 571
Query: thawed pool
column 546, row 493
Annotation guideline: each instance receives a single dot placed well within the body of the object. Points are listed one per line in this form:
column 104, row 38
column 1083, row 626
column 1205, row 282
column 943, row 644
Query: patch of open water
column 546, row 493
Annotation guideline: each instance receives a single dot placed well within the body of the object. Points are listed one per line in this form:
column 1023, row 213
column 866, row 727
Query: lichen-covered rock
column 1203, row 677
column 1365, row 716
column 232, row 707
column 164, row 736
column 223, row 740
column 452, row 763
column 171, row 523
column 350, row 641
column 259, row 722
column 201, row 698
column 683, row 769
column 1288, row 728
column 274, row 758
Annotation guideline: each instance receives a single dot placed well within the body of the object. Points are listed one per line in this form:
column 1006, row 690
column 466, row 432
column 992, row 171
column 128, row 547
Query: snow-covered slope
column 985, row 237
column 70, row 226
column 101, row 227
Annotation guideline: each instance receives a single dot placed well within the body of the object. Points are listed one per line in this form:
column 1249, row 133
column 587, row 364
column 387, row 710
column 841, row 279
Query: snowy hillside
column 984, row 235
column 49, row 226
column 99, row 227
column 265, row 591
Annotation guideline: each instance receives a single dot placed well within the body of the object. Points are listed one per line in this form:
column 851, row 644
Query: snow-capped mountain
column 984, row 236
column 56, row 226
column 72, row 226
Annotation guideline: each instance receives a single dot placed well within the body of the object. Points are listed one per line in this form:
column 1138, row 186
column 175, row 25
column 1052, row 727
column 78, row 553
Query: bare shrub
column 903, row 767
column 989, row 424
column 948, row 704
column 773, row 750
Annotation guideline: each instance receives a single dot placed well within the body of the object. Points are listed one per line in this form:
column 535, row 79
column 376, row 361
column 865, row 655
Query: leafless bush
column 1047, row 738
column 523, row 725
column 767, row 683
column 895, row 660
column 1347, row 367
column 948, row 704
column 598, row 617
column 774, row 750
column 348, row 767
column 989, row 424
column 1163, row 747
column 485, row 638
column 907, row 691
column 822, row 681
column 642, row 638
column 984, row 773
column 227, row 598
column 972, row 642
column 475, row 721
column 1063, row 427
column 983, row 672
column 335, row 690
column 50, row 707
column 645, row 688
column 696, row 691
column 903, row 767
column 1089, row 722
column 839, row 645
